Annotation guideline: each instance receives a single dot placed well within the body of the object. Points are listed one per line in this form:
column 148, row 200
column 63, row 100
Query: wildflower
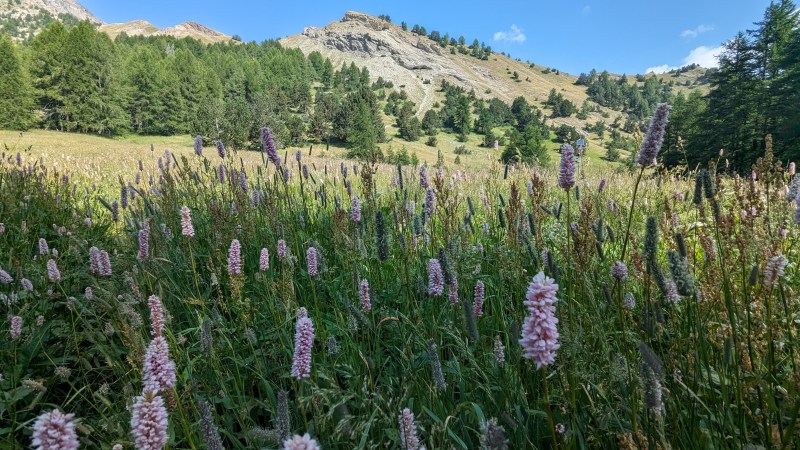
column 269, row 146
column 144, row 243
column 311, row 261
column 156, row 315
column 53, row 273
column 566, row 174
column 187, row 229
column 671, row 291
column 654, row 136
column 423, row 176
column 149, row 422
column 355, row 209
column 54, row 430
column 159, row 370
column 430, row 202
column 303, row 343
column 198, row 145
column 601, row 186
column 408, row 431
column 5, row 277
column 679, row 267
column 298, row 442
column 235, row 258
column 220, row 148
column 263, row 260
column 16, row 326
column 629, row 301
column 435, row 278
column 619, row 271
column 560, row 429
column 43, row 248
column 436, row 366
column 88, row 293
column 26, row 285
column 363, row 294
column 281, row 249
column 452, row 293
column 123, row 196
column 652, row 390
column 208, row 427
column 539, row 331
column 499, row 351
column 774, row 270
column 493, row 436
column 477, row 303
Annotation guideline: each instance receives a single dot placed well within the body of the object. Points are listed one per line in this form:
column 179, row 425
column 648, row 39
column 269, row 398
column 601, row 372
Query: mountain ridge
column 22, row 19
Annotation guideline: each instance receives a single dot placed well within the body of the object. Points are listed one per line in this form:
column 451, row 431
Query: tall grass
column 715, row 369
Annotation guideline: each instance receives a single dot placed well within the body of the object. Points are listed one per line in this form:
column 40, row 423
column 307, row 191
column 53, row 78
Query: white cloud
column 702, row 56
column 513, row 35
column 586, row 10
column 693, row 33
column 659, row 69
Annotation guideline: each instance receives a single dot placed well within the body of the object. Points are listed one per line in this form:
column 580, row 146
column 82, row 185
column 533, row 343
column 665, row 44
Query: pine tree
column 16, row 95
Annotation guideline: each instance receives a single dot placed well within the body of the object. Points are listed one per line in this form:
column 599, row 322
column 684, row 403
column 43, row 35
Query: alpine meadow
column 375, row 235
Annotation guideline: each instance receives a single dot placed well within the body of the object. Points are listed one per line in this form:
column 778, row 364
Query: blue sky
column 623, row 36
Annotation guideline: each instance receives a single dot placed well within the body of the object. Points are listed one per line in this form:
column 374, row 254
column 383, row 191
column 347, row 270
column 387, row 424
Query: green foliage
column 16, row 93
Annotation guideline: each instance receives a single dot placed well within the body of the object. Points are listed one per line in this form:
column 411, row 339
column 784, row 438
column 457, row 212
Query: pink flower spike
column 54, row 430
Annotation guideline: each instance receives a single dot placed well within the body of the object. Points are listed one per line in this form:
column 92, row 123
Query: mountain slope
column 418, row 65
column 24, row 18
column 187, row 29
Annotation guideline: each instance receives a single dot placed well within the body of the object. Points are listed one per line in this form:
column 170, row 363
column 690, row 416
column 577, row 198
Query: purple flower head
column 221, row 172
column 263, row 260
column 26, row 285
column 305, row 171
column 16, row 326
column 156, row 315
column 105, row 264
column 430, row 202
column 44, row 249
column 423, row 176
column 566, row 173
column 654, row 136
column 149, row 422
column 363, row 295
column 539, row 331
column 286, row 174
column 480, row 292
column 54, row 430
column 144, row 243
column 303, row 343
column 281, row 249
column 94, row 260
column 311, row 261
column 298, row 155
column 198, row 145
column 5, row 278
column 774, row 270
column 123, row 196
column 235, row 258
column 619, row 271
column 435, row 277
column 408, row 431
column 159, row 370
column 601, row 186
column 355, row 209
column 349, row 187
column 220, row 148
column 269, row 146
column 298, row 442
column 187, row 229
column 452, row 293
column 53, row 274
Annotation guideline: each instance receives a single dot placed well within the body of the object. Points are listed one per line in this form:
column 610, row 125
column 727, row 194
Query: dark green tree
column 16, row 92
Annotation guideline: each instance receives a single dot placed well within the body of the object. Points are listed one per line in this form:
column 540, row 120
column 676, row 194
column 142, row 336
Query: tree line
column 754, row 93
